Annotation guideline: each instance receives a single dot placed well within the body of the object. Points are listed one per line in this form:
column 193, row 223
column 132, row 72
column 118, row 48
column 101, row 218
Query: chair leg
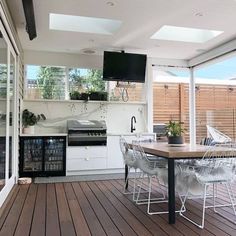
column 139, row 189
column 183, row 203
column 203, row 210
column 146, row 200
column 204, row 207
column 232, row 203
column 134, row 187
column 214, row 197
column 158, row 200
column 149, row 193
column 232, row 199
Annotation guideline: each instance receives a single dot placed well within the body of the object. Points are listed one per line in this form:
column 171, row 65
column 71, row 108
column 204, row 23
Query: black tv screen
column 120, row 66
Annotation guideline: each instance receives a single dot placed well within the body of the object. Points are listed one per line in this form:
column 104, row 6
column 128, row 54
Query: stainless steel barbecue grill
column 86, row 132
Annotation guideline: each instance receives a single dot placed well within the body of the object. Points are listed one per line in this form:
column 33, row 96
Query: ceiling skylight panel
column 83, row 24
column 184, row 34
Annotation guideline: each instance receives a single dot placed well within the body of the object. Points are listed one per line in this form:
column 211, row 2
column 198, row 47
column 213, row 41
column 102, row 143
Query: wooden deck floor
column 96, row 208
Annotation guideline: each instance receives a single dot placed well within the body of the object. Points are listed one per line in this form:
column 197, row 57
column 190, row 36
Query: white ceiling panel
column 140, row 20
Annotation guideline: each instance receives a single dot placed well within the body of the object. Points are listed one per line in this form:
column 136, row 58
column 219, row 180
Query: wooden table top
column 181, row 152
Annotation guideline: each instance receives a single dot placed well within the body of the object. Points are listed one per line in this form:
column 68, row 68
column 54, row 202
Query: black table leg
column 126, row 176
column 171, row 190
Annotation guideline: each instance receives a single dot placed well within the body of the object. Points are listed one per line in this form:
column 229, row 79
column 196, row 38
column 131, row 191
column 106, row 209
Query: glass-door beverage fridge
column 42, row 156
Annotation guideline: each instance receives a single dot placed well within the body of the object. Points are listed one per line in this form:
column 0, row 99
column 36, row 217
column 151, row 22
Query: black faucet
column 133, row 120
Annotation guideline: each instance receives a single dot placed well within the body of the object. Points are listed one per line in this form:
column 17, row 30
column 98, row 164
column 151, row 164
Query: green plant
column 75, row 95
column 50, row 81
column 29, row 118
column 174, row 129
column 84, row 96
column 98, row 95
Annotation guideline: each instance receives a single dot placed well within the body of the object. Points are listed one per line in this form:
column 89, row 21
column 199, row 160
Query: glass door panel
column 33, row 155
column 54, row 151
column 3, row 106
column 11, row 114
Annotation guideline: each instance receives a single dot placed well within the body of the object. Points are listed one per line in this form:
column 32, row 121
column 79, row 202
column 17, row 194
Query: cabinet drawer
column 86, row 152
column 86, row 164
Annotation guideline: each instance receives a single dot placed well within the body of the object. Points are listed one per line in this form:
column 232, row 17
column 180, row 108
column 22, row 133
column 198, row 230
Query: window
column 171, row 97
column 216, row 98
column 48, row 82
column 86, row 80
column 3, row 80
column 45, row 82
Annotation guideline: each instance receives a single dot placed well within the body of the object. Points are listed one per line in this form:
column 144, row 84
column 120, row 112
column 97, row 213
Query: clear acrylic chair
column 216, row 166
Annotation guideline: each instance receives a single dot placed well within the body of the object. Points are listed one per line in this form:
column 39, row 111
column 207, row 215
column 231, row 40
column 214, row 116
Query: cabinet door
column 54, row 154
column 115, row 158
column 86, row 158
column 32, row 154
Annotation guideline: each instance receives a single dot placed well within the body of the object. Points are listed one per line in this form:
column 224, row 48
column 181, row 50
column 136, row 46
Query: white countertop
column 65, row 134
column 129, row 134
column 43, row 134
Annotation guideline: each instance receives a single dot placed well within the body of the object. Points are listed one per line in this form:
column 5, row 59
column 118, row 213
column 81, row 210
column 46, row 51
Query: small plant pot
column 175, row 140
column 28, row 130
column 98, row 96
column 95, row 96
column 75, row 95
column 84, row 96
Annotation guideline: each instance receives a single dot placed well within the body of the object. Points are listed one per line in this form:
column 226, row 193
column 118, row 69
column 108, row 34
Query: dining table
column 173, row 153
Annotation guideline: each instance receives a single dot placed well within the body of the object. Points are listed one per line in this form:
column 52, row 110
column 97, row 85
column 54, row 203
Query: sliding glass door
column 8, row 136
column 3, row 108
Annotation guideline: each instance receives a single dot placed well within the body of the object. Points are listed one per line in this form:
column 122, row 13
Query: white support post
column 192, row 109
column 149, row 96
column 15, row 160
column 67, row 92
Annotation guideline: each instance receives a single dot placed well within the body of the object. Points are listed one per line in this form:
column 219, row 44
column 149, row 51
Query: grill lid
column 86, row 125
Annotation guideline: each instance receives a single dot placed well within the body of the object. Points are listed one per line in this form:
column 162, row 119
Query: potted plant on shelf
column 84, row 96
column 75, row 95
column 174, row 132
column 29, row 119
column 98, row 96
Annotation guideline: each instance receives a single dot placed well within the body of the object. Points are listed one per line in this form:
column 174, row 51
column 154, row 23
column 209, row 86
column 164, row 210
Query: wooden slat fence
column 215, row 106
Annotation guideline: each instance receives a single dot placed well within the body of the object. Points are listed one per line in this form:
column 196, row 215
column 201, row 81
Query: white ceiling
column 141, row 19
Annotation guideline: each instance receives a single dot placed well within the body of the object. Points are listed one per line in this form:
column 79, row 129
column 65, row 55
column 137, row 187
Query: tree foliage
column 91, row 80
column 3, row 80
column 50, row 81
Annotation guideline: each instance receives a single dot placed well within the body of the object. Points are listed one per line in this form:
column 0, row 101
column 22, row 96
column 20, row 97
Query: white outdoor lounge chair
column 217, row 136
column 153, row 170
column 131, row 162
column 217, row 166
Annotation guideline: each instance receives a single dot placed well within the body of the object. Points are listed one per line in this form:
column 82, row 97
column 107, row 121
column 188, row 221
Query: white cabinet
column 114, row 155
column 86, row 158
column 99, row 159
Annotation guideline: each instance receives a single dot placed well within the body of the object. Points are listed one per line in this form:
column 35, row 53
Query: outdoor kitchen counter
column 130, row 134
column 43, row 134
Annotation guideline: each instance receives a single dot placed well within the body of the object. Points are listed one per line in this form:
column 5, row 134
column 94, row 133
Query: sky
column 32, row 72
column 222, row 70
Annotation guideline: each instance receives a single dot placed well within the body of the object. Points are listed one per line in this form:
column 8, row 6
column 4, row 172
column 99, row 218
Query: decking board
column 99, row 208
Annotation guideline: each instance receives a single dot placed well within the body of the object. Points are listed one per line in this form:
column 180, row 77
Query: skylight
column 83, row 24
column 184, row 34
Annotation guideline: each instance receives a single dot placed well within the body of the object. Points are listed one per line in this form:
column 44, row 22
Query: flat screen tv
column 120, row 66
